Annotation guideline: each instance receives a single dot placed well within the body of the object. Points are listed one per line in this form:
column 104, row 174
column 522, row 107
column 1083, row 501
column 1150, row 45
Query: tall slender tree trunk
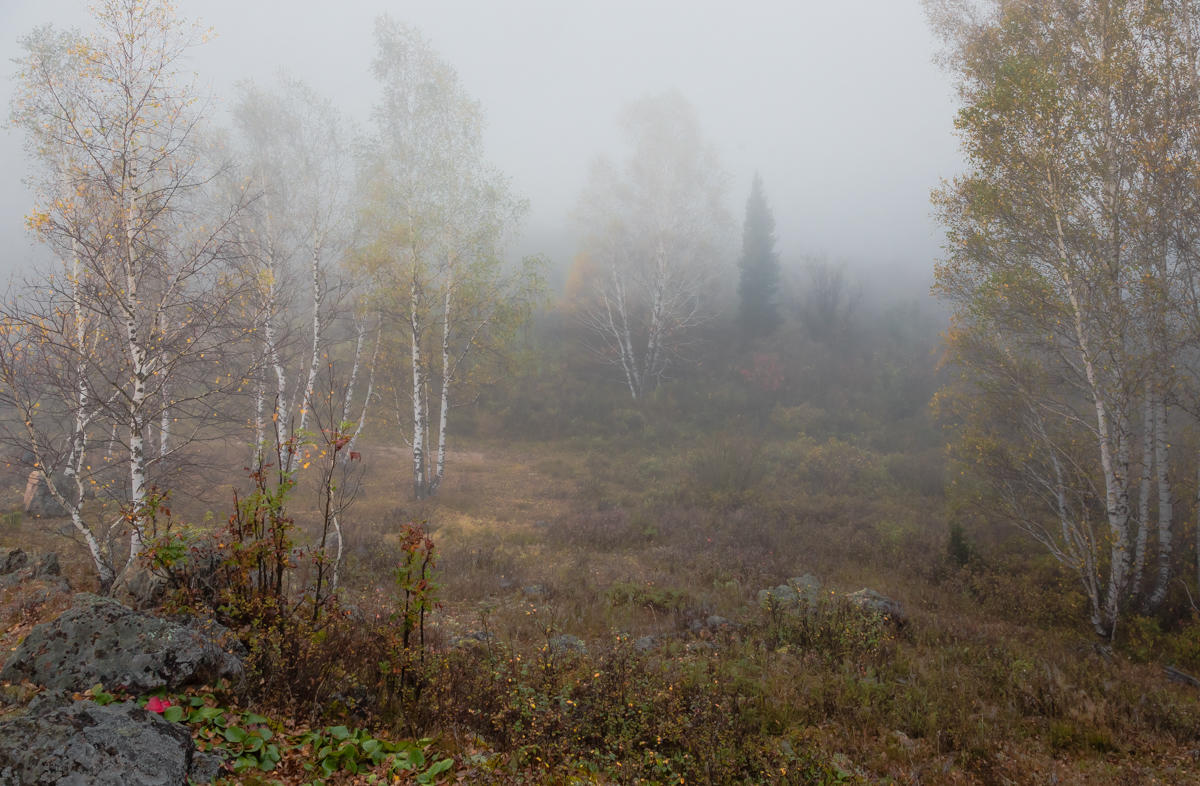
column 315, row 360
column 260, row 424
column 444, row 404
column 360, row 331
column 362, row 418
column 418, row 387
column 650, row 363
column 1113, row 447
column 1165, row 507
column 617, row 315
column 75, row 464
column 1198, row 521
column 164, row 418
column 137, row 397
column 1145, row 491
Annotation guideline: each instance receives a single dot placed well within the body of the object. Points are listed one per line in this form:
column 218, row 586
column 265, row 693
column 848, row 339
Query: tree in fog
column 137, row 322
column 434, row 219
column 829, row 300
column 297, row 162
column 1069, row 254
column 656, row 228
column 758, row 285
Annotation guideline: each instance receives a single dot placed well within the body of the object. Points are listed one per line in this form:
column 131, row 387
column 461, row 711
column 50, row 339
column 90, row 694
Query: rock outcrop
column 38, row 501
column 17, row 568
column 872, row 601
column 99, row 640
column 61, row 741
column 800, row 592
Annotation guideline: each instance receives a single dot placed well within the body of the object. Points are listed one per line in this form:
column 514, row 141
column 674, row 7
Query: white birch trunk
column 75, row 464
column 1143, row 532
column 315, row 360
column 348, row 401
column 337, row 557
column 362, row 418
column 281, row 415
column 617, row 316
column 444, row 404
column 1116, row 493
column 1165, row 508
column 260, row 425
column 650, row 366
column 418, row 442
column 164, row 419
column 137, row 398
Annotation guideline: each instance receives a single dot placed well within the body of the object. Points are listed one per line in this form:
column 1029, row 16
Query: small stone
column 808, row 587
column 565, row 643
column 14, row 561
column 205, row 767
column 870, row 600
column 47, row 566
column 145, row 589
column 783, row 598
column 717, row 622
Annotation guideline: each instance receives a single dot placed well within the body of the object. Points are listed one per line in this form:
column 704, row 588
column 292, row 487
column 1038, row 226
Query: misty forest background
column 609, row 516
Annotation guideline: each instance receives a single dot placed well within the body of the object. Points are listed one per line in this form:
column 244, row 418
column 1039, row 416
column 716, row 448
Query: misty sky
column 837, row 104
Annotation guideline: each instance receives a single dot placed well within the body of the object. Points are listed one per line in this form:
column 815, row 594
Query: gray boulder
column 85, row 743
column 13, row 561
column 38, row 501
column 472, row 639
column 100, row 640
column 800, row 592
column 17, row 568
column 872, row 601
column 807, row 587
column 145, row 589
column 782, row 598
column 47, row 566
column 565, row 643
column 645, row 643
column 534, row 591
column 712, row 624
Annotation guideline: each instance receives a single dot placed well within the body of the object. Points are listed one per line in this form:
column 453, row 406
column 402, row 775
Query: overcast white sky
column 838, row 104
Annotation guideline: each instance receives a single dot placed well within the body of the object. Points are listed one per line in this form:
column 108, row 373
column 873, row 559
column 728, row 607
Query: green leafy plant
column 340, row 749
column 245, row 739
column 248, row 743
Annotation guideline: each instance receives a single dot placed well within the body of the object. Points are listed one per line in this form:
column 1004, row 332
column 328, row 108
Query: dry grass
column 994, row 679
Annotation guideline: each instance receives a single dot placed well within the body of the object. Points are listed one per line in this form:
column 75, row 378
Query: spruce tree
column 758, row 311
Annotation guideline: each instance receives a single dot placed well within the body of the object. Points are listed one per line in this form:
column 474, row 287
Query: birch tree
column 658, row 229
column 296, row 161
column 1060, row 251
column 123, row 199
column 434, row 219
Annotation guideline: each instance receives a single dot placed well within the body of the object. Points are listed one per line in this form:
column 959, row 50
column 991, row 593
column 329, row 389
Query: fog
column 838, row 105
column 684, row 471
